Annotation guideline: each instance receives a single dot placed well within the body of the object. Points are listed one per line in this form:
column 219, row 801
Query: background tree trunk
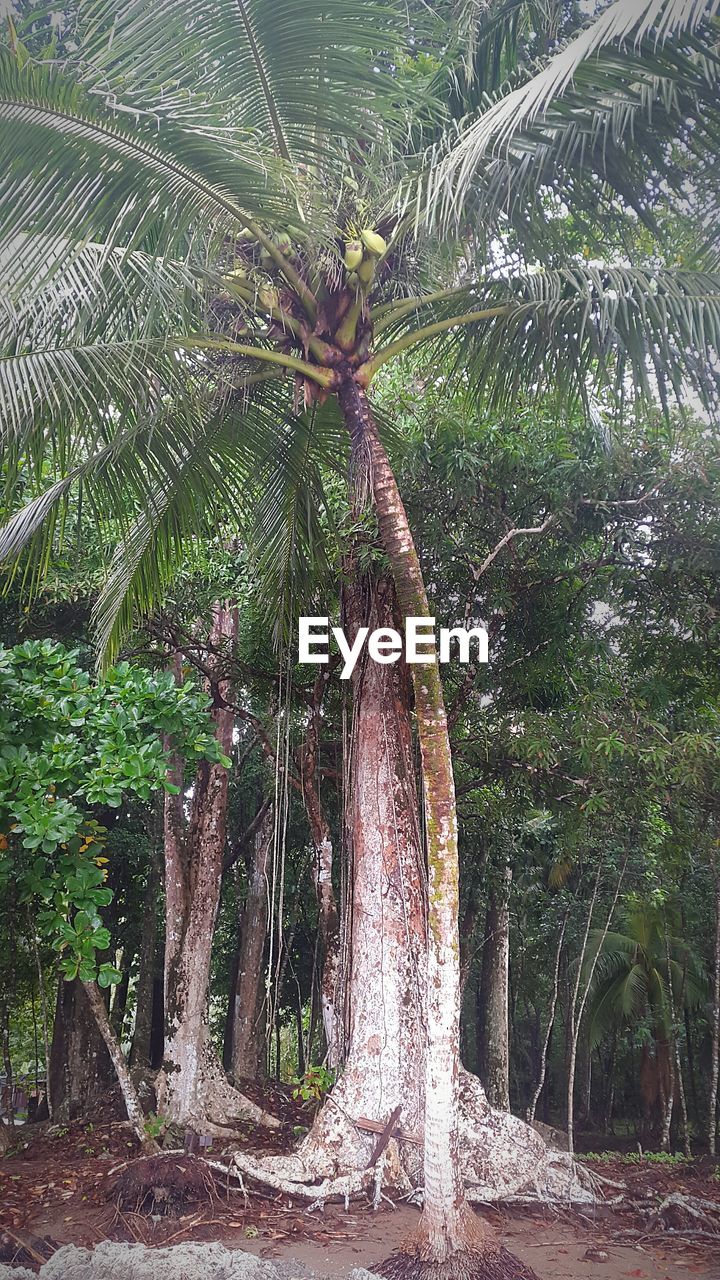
column 140, row 1053
column 551, row 1020
column 248, row 1058
column 322, row 869
column 193, row 1089
column 715, row 1054
column 129, row 1093
column 495, row 1044
column 80, row 1071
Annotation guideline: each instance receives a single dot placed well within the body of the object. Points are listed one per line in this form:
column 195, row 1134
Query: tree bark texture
column 140, row 1053
column 249, row 1022
column 322, row 868
column 192, row 1088
column 495, row 1044
column 445, row 1221
column 80, row 1070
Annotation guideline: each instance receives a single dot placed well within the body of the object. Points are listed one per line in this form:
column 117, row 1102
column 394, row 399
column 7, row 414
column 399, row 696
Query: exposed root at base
column 157, row 1185
column 343, row 1188
column 470, row 1265
column 217, row 1108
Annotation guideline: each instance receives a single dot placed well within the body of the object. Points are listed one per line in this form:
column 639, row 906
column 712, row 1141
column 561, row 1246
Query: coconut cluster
column 362, row 256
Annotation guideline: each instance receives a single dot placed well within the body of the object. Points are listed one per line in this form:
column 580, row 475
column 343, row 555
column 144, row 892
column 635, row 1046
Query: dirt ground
column 62, row 1188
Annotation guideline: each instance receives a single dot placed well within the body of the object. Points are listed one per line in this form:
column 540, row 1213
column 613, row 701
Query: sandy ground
column 556, row 1250
column 60, row 1189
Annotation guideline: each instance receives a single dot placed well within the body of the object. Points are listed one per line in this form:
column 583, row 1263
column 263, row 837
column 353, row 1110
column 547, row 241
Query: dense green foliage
column 72, row 746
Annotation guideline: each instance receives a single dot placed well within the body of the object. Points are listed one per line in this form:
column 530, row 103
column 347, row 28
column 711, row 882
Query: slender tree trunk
column 447, row 1226
column 248, row 1039
column 144, row 992
column 193, row 1089
column 578, row 1008
column 118, row 1007
column 322, row 866
column 7, row 1061
column 130, row 1097
column 715, row 1054
column 495, row 1055
column 45, row 1021
column 551, row 1020
column 676, row 1074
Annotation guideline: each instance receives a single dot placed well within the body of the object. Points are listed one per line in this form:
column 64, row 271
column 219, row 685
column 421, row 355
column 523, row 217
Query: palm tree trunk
column 447, row 1225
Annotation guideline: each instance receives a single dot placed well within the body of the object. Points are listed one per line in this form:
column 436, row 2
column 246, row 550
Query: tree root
column 157, row 1185
column 344, row 1187
column 502, row 1159
column 678, row 1213
column 219, row 1108
column 471, row 1265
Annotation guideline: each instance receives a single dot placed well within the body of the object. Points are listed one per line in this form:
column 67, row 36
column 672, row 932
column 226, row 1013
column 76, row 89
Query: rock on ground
column 134, row 1262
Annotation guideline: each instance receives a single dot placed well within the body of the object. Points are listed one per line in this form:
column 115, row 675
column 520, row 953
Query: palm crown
column 205, row 223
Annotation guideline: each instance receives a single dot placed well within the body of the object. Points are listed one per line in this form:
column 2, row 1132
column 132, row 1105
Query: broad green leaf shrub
column 72, row 744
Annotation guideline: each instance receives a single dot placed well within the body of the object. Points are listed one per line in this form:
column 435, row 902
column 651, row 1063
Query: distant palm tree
column 216, row 215
column 644, row 975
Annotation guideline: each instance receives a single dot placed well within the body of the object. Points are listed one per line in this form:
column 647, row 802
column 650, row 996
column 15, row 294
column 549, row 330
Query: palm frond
column 88, row 288
column 73, row 172
column 292, row 535
column 291, row 72
column 208, row 487
column 596, row 107
column 564, row 329
column 620, row 999
column 83, row 382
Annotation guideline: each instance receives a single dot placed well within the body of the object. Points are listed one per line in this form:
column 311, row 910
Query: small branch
column 243, row 841
column 512, row 533
column 626, row 503
column 125, row 1080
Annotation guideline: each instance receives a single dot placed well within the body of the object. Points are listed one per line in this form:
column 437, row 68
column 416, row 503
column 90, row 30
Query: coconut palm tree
column 214, row 221
column 645, row 975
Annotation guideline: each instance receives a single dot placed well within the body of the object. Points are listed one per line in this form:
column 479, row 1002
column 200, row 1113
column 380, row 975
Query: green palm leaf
column 558, row 330
column 596, row 107
column 73, row 172
column 293, row 73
